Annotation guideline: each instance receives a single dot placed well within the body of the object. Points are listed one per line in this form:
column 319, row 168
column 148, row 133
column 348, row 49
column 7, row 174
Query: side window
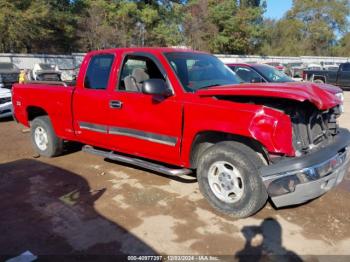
column 99, row 69
column 246, row 74
column 136, row 70
column 346, row 67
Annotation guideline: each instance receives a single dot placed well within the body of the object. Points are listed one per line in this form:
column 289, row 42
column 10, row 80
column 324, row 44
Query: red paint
column 330, row 88
column 182, row 116
column 295, row 91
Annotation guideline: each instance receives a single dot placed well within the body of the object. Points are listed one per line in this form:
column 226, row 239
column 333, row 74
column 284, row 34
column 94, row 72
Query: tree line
column 310, row 27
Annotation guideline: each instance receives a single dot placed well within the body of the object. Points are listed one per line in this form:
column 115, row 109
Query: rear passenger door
column 91, row 101
column 142, row 124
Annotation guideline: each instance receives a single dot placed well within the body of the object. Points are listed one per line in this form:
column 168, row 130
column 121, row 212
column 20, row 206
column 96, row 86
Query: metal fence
column 281, row 59
column 68, row 63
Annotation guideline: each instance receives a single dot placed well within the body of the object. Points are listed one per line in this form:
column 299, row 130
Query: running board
column 138, row 162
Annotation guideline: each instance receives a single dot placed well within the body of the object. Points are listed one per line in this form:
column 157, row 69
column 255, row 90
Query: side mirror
column 256, row 80
column 156, row 87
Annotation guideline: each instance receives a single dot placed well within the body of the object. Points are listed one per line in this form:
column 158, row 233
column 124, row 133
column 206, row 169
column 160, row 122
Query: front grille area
column 312, row 128
column 5, row 100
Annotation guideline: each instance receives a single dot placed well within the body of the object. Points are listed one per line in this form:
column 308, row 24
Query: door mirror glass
column 156, row 87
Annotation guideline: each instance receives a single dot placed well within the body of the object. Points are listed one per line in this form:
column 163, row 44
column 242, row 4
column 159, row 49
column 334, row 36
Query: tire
column 241, row 162
column 44, row 139
column 318, row 81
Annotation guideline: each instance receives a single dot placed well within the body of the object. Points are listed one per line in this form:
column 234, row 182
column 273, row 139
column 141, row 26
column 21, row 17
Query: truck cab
column 178, row 112
column 340, row 77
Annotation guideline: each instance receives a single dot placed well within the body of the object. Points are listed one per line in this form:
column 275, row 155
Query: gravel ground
column 82, row 204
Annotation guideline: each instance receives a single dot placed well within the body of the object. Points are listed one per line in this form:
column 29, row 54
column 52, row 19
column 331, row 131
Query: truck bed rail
column 55, row 83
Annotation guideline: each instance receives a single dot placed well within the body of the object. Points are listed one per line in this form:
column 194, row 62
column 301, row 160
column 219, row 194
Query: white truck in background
column 5, row 103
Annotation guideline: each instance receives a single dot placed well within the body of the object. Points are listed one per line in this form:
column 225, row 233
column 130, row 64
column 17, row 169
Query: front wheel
column 44, row 139
column 229, row 179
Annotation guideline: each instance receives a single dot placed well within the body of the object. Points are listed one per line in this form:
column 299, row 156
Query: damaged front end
column 296, row 180
column 320, row 155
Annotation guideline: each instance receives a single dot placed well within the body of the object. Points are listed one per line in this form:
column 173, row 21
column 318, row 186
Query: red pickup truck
column 178, row 111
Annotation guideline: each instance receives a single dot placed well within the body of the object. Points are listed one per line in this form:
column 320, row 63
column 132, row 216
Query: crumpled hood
column 5, row 93
column 330, row 88
column 322, row 98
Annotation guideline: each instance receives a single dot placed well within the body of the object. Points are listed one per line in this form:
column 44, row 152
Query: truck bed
column 55, row 98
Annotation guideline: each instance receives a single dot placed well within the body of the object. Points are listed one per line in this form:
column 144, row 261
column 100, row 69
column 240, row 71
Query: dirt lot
column 82, row 204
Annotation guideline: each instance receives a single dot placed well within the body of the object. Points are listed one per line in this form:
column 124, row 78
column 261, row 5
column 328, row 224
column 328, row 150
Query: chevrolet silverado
column 179, row 112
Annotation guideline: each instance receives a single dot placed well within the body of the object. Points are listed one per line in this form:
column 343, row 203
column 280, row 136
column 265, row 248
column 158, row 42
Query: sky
column 277, row 8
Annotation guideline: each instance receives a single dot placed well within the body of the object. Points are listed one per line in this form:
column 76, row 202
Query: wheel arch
column 204, row 140
column 35, row 111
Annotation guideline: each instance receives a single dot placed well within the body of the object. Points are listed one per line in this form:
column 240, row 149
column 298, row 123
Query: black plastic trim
column 152, row 137
column 341, row 141
column 93, row 127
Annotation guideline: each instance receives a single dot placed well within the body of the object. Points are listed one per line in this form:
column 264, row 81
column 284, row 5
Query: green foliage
column 225, row 26
column 311, row 27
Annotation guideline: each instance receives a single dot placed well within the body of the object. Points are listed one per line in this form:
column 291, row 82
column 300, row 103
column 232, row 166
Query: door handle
column 116, row 104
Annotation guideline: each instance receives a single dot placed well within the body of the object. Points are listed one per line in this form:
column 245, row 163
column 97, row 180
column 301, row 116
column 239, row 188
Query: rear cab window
column 98, row 72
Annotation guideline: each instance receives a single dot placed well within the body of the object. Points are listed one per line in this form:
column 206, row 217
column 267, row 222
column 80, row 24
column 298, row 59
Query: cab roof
column 145, row 49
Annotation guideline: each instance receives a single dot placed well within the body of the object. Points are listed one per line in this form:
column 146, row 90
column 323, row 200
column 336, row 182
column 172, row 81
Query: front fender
column 273, row 129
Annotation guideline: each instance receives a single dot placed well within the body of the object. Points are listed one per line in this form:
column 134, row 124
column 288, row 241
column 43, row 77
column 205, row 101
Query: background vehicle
column 295, row 69
column 317, row 67
column 46, row 72
column 9, row 74
column 331, row 66
column 276, row 65
column 339, row 78
column 5, row 103
column 259, row 73
column 256, row 73
column 177, row 111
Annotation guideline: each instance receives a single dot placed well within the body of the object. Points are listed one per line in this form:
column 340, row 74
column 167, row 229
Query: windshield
column 7, row 66
column 197, row 71
column 273, row 75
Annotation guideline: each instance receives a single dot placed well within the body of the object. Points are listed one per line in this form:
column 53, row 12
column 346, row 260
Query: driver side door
column 146, row 125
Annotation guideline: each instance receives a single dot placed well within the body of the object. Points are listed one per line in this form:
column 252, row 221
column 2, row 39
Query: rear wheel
column 44, row 139
column 229, row 179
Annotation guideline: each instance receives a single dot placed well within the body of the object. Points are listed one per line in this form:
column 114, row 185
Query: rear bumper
column 295, row 181
column 6, row 110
